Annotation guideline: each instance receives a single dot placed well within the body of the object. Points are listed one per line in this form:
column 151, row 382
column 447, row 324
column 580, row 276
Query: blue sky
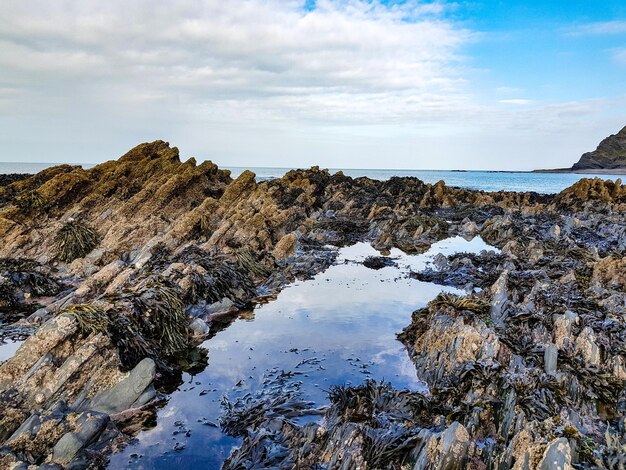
column 550, row 49
column 339, row 83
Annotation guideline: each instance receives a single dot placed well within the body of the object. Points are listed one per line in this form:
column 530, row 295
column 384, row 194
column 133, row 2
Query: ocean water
column 546, row 183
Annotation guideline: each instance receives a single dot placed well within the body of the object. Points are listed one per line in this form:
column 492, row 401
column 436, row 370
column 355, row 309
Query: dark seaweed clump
column 75, row 240
column 373, row 423
column 21, row 279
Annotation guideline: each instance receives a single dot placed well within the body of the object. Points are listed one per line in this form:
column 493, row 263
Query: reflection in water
column 8, row 348
column 339, row 327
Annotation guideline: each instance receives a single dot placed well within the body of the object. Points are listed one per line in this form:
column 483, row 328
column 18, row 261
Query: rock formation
column 115, row 274
column 610, row 154
column 609, row 157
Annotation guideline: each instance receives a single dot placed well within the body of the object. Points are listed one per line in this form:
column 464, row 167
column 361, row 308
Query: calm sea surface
column 484, row 180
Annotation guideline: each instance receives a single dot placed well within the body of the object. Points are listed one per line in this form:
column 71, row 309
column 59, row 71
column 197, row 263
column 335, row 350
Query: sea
column 545, row 183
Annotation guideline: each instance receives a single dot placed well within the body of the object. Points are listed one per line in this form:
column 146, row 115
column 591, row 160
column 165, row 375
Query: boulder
column 557, row 456
column 125, row 393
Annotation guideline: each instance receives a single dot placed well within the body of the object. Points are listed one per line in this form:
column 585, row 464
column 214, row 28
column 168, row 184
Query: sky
column 512, row 85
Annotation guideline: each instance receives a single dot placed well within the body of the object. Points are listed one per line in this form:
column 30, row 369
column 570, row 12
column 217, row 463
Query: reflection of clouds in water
column 347, row 316
column 451, row 245
column 8, row 349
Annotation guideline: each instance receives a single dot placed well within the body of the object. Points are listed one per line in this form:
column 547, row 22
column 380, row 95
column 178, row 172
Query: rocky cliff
column 610, row 154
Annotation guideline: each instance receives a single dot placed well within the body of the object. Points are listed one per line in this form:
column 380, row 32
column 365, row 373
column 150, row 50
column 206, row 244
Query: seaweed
column 8, row 299
column 24, row 274
column 91, row 318
column 162, row 314
column 31, row 201
column 248, row 262
column 222, row 278
column 434, row 224
column 470, row 303
column 75, row 240
column 127, row 336
column 279, row 398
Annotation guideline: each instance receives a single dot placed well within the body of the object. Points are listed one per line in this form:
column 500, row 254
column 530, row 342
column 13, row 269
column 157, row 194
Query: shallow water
column 339, row 327
column 8, row 348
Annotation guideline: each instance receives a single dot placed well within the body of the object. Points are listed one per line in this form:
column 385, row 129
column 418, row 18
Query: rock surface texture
column 115, row 274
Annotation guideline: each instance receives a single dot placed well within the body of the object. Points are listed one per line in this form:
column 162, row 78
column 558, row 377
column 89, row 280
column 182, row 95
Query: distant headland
column 608, row 158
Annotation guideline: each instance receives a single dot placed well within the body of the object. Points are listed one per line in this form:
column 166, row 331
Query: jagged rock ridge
column 169, row 247
column 610, row 154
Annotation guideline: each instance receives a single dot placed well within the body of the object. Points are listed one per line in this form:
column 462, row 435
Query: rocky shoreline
column 609, row 158
column 122, row 271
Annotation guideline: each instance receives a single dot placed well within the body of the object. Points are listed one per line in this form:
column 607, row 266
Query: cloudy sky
column 481, row 84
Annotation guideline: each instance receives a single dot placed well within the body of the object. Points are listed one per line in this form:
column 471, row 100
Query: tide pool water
column 338, row 328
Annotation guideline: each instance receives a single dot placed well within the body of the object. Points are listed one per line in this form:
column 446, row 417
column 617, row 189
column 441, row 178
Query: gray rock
column 67, row 448
column 440, row 261
column 20, row 466
column 554, row 232
column 500, row 299
column 222, row 306
column 446, row 451
column 470, row 228
column 453, row 446
column 199, row 327
column 563, row 328
column 587, row 346
column 30, row 427
column 38, row 316
column 202, row 309
column 125, row 393
column 550, row 356
column 557, row 456
column 145, row 397
column 89, row 427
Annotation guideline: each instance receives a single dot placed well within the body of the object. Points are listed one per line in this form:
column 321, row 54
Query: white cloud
column 271, row 55
column 516, row 101
column 266, row 82
column 597, row 28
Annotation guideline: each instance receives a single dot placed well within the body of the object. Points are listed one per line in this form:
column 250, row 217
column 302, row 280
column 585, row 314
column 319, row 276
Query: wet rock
column 500, row 297
column 125, row 393
column 586, row 345
column 550, row 357
column 182, row 239
column 50, row 335
column 563, row 325
column 89, row 425
column 557, row 456
column 469, row 228
column 448, row 344
column 286, row 247
column 50, row 466
column 610, row 271
column 207, row 310
column 447, row 451
column 554, row 232
column 199, row 327
column 146, row 397
column 378, row 262
column 463, row 270
column 29, row 427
